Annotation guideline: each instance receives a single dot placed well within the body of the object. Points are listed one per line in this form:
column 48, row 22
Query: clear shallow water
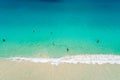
column 38, row 28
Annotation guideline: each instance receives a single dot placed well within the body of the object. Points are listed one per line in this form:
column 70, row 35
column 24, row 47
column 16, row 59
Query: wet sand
column 10, row 70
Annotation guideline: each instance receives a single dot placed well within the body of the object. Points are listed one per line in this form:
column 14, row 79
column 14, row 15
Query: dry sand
column 10, row 70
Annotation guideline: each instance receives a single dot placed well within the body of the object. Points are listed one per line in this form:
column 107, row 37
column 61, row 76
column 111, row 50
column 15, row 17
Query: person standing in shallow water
column 51, row 33
column 53, row 43
column 3, row 40
column 97, row 41
column 67, row 49
column 33, row 30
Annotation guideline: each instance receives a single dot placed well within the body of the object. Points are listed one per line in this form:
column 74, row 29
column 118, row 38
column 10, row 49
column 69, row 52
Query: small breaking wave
column 84, row 59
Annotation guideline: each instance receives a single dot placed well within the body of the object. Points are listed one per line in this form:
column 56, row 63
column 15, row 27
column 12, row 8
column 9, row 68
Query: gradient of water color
column 57, row 28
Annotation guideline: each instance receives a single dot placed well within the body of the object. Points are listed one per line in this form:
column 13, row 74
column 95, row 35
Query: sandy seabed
column 12, row 70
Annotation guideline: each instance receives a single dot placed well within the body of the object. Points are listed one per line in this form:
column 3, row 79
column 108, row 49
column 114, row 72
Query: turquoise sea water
column 57, row 28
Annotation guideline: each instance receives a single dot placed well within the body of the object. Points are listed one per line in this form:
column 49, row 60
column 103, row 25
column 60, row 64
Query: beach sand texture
column 10, row 70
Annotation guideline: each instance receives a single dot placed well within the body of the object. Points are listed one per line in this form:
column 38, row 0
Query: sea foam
column 84, row 59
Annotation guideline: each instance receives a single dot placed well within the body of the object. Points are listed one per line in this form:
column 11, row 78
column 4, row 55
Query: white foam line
column 85, row 59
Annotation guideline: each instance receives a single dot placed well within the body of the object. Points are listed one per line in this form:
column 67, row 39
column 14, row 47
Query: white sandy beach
column 25, row 70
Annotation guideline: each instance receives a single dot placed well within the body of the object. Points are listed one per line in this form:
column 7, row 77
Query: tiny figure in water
column 97, row 41
column 53, row 43
column 33, row 30
column 51, row 33
column 67, row 50
column 3, row 40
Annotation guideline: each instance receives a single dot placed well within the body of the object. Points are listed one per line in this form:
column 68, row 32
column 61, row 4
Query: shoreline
column 78, row 59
